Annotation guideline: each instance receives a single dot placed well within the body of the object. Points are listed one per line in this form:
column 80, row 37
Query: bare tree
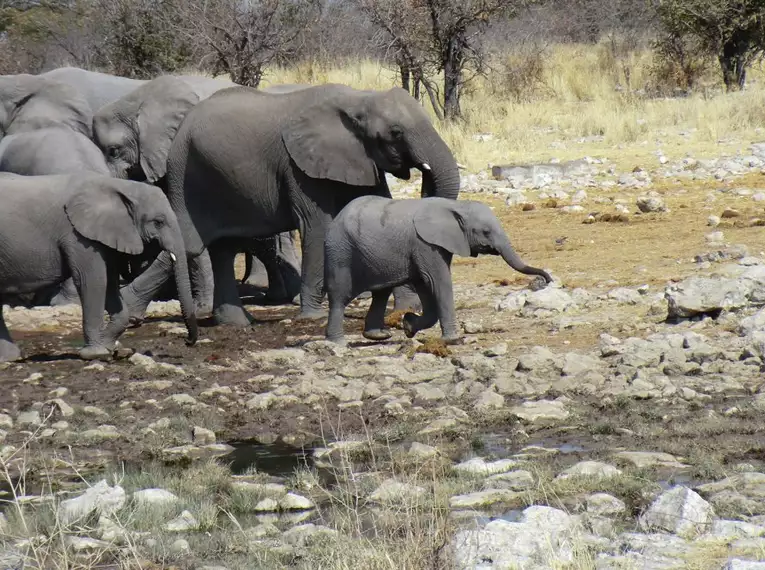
column 243, row 37
column 430, row 36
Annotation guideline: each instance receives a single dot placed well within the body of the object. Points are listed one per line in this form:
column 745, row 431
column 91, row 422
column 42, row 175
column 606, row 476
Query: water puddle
column 277, row 459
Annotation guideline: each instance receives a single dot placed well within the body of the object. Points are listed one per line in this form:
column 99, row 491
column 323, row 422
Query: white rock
column 202, row 436
column 479, row 466
column 680, row 511
column 512, row 480
column 422, row 451
column 154, row 497
column 482, row 499
column 541, row 411
column 651, row 202
column 306, row 534
column 713, row 221
column 180, row 546
column 740, row 564
column 183, row 522
column 101, row 498
column 29, row 418
column 543, row 538
column 594, row 469
column 603, row 504
column 392, row 491
column 295, row 502
column 647, row 459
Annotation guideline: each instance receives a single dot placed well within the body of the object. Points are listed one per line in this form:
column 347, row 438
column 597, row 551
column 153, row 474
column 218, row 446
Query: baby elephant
column 375, row 244
column 79, row 225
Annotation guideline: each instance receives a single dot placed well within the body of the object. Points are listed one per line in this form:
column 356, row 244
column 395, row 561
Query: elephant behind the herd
column 246, row 164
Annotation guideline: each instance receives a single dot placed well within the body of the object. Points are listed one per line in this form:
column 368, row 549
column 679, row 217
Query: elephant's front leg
column 227, row 305
column 8, row 350
column 90, row 279
column 412, row 323
column 144, row 288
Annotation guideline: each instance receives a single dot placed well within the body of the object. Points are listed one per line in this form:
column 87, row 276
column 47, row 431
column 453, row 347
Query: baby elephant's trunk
column 513, row 260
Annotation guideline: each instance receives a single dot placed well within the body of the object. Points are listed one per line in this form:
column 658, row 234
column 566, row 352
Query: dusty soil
column 652, row 249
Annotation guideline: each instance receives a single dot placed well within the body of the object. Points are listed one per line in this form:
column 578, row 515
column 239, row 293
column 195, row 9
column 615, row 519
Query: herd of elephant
column 110, row 187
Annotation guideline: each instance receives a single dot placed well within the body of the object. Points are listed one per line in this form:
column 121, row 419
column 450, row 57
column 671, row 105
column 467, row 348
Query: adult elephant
column 135, row 133
column 246, row 164
column 99, row 89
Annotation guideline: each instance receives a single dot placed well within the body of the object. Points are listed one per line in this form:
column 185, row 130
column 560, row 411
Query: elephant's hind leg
column 374, row 326
column 8, row 351
column 405, row 298
column 227, row 306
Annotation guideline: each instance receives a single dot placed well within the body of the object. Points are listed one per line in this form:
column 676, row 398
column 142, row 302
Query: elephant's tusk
column 172, row 256
column 425, row 166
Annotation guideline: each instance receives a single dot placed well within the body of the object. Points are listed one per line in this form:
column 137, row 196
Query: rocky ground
column 610, row 420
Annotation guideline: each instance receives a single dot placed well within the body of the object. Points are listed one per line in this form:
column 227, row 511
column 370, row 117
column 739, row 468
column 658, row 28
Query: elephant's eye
column 397, row 133
column 113, row 152
column 160, row 221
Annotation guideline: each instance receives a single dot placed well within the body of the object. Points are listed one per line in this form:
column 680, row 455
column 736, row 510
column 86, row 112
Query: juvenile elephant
column 79, row 225
column 99, row 89
column 248, row 164
column 135, row 133
column 376, row 244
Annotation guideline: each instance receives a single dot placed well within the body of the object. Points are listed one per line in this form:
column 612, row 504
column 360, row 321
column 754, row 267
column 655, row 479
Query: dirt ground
column 651, row 249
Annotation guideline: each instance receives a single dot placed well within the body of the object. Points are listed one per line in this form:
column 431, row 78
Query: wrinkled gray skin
column 49, row 125
column 78, row 225
column 248, row 164
column 135, row 133
column 99, row 89
column 376, row 244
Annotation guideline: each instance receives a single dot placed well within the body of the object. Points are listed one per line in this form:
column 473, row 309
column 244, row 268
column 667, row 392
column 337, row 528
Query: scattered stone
column 182, row 523
column 6, row 421
column 715, row 237
column 139, row 360
column 392, row 491
column 730, row 213
column 539, row 411
column 740, row 564
column 519, row 480
column 277, row 358
column 422, row 451
column 496, row 350
column 603, row 504
column 594, row 469
column 651, row 202
column 63, row 408
column 202, row 436
column 99, row 434
column 680, row 511
column 471, row 327
column 100, row 498
column 29, row 418
column 154, row 497
column 648, row 459
column 479, row 466
column 307, row 534
column 295, row 502
column 489, row 400
column 85, row 544
column 180, row 546
column 483, row 499
column 543, row 534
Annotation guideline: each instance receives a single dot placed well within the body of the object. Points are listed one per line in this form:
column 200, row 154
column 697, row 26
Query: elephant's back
column 99, row 89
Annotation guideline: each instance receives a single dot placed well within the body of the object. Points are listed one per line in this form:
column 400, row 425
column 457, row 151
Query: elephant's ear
column 105, row 215
column 166, row 101
column 442, row 226
column 322, row 142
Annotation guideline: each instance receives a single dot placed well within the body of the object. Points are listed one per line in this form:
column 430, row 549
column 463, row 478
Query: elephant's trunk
column 183, row 284
column 440, row 174
column 514, row 260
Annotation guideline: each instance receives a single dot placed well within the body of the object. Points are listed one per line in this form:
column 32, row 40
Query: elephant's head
column 468, row 228
column 29, row 102
column 136, row 131
column 350, row 136
column 125, row 216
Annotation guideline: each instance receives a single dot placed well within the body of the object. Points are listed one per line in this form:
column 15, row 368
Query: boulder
column 679, row 511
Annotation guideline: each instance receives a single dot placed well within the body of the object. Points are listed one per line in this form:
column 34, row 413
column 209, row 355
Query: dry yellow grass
column 580, row 99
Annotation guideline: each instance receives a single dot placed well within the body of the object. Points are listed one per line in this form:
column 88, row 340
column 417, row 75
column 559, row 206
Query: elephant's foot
column 278, row 297
column 96, row 352
column 65, row 296
column 408, row 323
column 9, row 352
column 377, row 334
column 308, row 314
column 455, row 338
column 202, row 309
column 232, row 315
column 338, row 340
